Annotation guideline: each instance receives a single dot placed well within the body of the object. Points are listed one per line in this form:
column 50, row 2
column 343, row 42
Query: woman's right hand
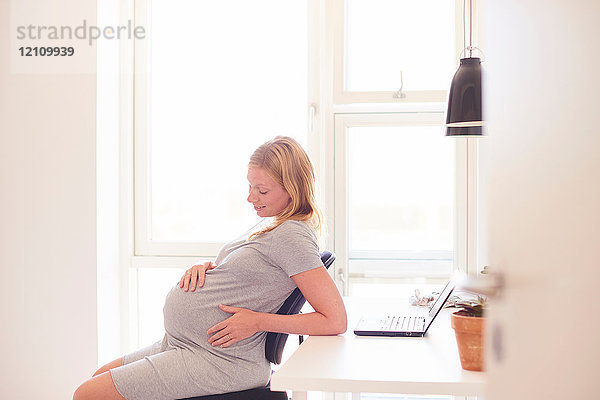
column 194, row 277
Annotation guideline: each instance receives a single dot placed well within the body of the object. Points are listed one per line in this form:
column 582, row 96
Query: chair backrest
column 292, row 305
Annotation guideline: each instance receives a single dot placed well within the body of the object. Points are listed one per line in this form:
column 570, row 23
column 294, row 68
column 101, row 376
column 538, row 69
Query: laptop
column 407, row 325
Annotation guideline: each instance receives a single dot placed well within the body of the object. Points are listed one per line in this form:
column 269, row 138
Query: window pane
column 225, row 76
column 400, row 200
column 153, row 286
column 384, row 37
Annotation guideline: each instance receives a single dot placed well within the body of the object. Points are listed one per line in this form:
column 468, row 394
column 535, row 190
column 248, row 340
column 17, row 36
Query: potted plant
column 468, row 324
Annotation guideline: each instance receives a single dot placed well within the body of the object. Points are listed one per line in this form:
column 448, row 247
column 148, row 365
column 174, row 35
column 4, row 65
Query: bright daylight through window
column 215, row 79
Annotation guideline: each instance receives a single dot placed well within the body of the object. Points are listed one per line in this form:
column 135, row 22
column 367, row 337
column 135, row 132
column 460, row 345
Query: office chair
column 273, row 348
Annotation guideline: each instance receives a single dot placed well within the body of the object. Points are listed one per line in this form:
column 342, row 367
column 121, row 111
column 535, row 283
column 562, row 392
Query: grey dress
column 253, row 274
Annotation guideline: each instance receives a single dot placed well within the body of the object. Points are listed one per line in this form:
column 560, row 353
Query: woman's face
column 267, row 196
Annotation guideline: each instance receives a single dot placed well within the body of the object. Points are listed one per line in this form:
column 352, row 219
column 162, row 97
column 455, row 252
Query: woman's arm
column 329, row 317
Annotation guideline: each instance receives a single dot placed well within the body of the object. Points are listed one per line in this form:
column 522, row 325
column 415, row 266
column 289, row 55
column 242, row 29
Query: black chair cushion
column 263, row 393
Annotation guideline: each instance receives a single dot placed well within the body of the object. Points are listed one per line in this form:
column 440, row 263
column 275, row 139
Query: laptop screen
column 441, row 300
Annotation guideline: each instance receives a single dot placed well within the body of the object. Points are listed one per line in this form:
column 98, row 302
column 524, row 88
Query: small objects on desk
column 465, row 300
column 428, row 300
column 451, row 302
column 421, row 301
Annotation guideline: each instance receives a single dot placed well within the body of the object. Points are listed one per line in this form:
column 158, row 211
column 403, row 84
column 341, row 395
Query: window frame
column 342, row 96
column 179, row 254
column 343, row 121
column 339, row 102
column 327, row 105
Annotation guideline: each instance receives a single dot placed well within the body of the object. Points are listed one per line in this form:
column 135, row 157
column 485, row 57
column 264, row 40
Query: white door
column 542, row 171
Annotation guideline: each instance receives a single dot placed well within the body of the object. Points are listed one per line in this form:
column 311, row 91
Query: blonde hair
column 286, row 162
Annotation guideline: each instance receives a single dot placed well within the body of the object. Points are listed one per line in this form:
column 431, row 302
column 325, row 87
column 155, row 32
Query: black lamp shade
column 464, row 101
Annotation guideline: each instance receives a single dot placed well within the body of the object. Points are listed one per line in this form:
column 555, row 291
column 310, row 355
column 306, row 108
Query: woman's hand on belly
column 194, row 277
column 241, row 325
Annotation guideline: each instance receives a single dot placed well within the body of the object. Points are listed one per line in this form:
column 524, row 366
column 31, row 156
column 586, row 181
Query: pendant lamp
column 464, row 117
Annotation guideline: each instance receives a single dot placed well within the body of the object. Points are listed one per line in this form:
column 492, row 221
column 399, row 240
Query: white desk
column 349, row 363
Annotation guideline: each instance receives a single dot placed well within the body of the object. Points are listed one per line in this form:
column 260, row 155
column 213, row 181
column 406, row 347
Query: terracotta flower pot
column 469, row 337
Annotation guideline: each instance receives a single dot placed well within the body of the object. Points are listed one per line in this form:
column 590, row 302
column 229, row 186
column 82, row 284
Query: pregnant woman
column 217, row 317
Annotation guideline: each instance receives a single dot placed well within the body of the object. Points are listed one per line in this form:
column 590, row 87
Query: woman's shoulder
column 292, row 224
column 296, row 239
column 293, row 227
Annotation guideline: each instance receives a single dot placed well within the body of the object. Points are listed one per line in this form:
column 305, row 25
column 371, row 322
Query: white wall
column 47, row 224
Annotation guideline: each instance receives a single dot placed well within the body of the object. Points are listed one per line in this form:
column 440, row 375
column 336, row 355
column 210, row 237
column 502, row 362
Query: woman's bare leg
column 113, row 364
column 99, row 387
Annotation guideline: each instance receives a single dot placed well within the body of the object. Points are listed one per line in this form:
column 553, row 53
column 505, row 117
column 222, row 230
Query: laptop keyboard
column 404, row 323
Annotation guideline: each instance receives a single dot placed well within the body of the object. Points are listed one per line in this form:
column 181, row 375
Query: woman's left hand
column 241, row 325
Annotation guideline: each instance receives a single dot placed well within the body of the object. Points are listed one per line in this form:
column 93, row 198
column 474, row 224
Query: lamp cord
column 470, row 28
column 470, row 47
column 464, row 26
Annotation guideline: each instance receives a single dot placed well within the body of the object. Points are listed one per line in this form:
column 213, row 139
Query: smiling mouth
column 257, row 208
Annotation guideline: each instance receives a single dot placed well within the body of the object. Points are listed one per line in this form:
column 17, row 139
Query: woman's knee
column 100, row 387
column 84, row 392
column 81, row 393
column 113, row 364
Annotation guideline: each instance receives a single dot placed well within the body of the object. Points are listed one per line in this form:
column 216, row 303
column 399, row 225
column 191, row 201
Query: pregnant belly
column 188, row 315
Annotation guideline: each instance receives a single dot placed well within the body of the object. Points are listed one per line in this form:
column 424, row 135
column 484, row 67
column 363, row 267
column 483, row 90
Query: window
column 401, row 187
column 384, row 37
column 215, row 79
column 395, row 198
column 385, row 45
